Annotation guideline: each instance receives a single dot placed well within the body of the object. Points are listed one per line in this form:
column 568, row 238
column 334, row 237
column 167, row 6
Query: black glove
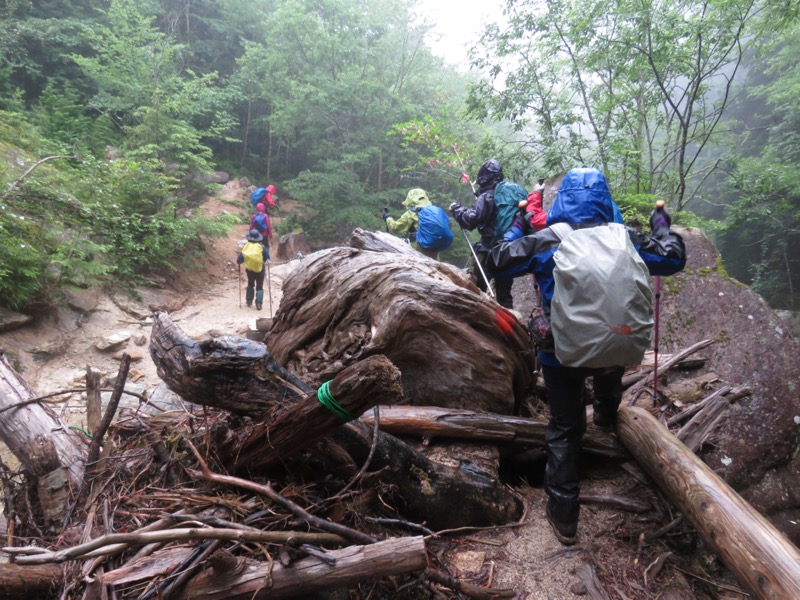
column 386, row 214
column 452, row 208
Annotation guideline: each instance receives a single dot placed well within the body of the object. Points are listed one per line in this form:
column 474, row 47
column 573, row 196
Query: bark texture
column 40, row 441
column 343, row 304
column 760, row 557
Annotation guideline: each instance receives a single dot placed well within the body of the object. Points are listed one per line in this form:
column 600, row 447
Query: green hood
column 416, row 198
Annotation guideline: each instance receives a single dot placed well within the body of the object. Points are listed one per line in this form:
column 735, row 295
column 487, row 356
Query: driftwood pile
column 268, row 484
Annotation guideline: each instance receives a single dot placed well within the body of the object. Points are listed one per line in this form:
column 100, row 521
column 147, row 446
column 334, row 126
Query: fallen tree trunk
column 444, row 495
column 454, row 346
column 26, row 583
column 760, row 557
column 287, row 431
column 435, row 422
column 41, row 442
column 234, row 578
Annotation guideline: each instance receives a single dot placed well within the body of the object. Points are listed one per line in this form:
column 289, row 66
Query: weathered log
column 233, row 578
column 435, row 422
column 356, row 388
column 760, row 557
column 444, row 495
column 29, row 583
column 41, row 441
column 227, row 372
column 454, row 346
column 702, row 425
column 633, row 392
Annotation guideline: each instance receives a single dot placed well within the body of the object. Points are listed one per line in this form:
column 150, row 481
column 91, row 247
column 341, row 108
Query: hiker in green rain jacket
column 408, row 223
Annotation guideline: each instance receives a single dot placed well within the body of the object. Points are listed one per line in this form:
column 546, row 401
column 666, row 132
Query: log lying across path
column 237, row 578
column 224, row 373
column 435, row 422
column 761, row 558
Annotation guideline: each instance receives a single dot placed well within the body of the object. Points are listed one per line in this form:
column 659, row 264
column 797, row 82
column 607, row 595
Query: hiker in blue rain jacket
column 583, row 200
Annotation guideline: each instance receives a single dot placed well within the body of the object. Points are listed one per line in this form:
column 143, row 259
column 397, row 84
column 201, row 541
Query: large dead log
column 226, row 372
column 435, row 422
column 444, row 495
column 41, row 441
column 29, row 583
column 234, row 578
column 454, row 346
column 760, row 557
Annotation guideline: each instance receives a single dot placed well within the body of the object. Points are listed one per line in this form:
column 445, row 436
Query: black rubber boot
column 563, row 518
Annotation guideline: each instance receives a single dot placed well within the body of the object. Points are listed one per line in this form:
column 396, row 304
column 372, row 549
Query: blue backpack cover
column 260, row 223
column 258, row 195
column 507, row 196
column 433, row 232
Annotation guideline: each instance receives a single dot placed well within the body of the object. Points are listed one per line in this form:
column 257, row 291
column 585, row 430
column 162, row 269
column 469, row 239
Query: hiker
column 483, row 216
column 532, row 216
column 254, row 255
column 408, row 224
column 264, row 195
column 583, row 209
column 261, row 223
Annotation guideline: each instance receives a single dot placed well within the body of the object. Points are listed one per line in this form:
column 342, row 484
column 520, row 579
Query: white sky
column 459, row 24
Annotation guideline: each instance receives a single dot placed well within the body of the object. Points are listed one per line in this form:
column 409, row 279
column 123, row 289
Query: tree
column 635, row 87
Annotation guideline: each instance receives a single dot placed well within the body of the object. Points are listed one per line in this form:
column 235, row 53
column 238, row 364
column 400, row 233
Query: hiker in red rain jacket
column 270, row 197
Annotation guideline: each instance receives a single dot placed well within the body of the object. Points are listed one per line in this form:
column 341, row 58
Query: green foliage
column 635, row 89
column 89, row 221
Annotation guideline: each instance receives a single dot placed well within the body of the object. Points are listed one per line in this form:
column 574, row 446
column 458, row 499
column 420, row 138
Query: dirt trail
column 54, row 352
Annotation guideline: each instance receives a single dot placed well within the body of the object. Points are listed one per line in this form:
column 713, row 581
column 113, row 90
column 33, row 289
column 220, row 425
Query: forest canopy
column 123, row 104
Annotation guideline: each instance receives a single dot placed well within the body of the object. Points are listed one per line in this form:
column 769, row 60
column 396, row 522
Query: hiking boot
column 249, row 303
column 604, row 422
column 258, row 306
column 566, row 533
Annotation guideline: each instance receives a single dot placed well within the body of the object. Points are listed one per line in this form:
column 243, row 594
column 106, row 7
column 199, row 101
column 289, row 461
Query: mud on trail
column 54, row 352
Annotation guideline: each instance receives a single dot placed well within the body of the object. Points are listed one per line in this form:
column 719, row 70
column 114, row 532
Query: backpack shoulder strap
column 562, row 230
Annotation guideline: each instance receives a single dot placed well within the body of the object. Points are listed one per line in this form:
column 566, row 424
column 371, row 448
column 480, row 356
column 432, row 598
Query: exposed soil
column 53, row 354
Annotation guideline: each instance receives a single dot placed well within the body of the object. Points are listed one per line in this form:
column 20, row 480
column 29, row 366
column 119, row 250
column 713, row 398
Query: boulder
column 292, row 245
column 12, row 320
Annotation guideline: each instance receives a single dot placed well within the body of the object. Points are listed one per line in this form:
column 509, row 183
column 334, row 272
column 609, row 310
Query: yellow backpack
column 253, row 256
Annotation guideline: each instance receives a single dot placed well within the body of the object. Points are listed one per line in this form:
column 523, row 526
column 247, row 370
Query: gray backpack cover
column 601, row 313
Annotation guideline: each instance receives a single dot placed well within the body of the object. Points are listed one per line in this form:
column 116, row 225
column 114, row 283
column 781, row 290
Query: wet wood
column 443, row 495
column 433, row 422
column 41, row 441
column 227, row 372
column 761, row 558
column 706, row 420
column 29, row 583
column 358, row 387
column 236, row 578
column 343, row 304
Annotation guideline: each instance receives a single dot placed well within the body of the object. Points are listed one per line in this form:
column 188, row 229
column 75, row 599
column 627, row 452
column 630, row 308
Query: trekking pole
column 269, row 290
column 478, row 263
column 655, row 339
column 659, row 207
column 240, row 284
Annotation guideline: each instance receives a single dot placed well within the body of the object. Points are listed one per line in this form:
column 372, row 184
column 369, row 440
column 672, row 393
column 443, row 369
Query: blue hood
column 584, row 197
